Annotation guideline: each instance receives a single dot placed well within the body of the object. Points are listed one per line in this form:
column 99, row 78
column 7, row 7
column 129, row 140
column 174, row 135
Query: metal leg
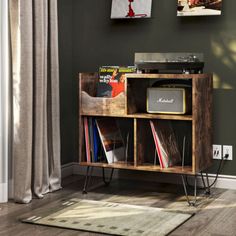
column 203, row 181
column 191, row 203
column 103, row 176
column 87, row 179
column 185, row 189
column 207, row 188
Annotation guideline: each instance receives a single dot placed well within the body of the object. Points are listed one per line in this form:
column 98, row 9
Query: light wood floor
column 213, row 216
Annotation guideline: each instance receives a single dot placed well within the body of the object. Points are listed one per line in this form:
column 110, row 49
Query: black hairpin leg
column 203, row 181
column 191, row 203
column 103, row 176
column 208, row 185
column 87, row 179
column 207, row 188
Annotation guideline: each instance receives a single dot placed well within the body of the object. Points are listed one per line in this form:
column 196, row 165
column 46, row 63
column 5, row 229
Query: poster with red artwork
column 131, row 9
column 199, row 7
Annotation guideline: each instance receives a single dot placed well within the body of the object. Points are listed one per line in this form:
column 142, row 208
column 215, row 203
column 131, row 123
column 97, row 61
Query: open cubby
column 147, row 153
column 137, row 90
column 125, row 129
column 145, row 147
column 130, row 110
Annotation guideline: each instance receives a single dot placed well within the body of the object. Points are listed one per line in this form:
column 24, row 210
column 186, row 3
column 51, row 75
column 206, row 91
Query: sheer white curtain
column 4, row 100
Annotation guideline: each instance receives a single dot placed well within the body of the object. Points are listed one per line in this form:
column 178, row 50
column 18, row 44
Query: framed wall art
column 199, row 7
column 131, row 9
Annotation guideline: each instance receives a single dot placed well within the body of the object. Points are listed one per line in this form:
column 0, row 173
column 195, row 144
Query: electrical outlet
column 217, row 151
column 228, row 150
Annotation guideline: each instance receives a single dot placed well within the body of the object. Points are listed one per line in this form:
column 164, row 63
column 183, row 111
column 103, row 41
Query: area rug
column 111, row 218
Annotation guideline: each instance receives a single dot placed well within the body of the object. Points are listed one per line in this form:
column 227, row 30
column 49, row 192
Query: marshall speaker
column 170, row 100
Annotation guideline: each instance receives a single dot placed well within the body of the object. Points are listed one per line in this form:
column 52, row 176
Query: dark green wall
column 89, row 38
column 68, row 92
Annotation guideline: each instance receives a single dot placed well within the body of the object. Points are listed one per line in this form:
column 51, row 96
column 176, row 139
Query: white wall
column 4, row 99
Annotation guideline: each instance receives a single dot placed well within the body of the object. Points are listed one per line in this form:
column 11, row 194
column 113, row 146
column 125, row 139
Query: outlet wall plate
column 228, row 149
column 217, row 151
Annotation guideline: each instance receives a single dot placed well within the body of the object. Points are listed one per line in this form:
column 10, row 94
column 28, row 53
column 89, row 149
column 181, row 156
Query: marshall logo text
column 164, row 100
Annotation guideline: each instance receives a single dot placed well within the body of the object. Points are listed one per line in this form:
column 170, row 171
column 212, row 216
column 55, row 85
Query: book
column 111, row 139
column 87, row 141
column 112, row 80
column 96, row 142
column 91, row 142
column 165, row 143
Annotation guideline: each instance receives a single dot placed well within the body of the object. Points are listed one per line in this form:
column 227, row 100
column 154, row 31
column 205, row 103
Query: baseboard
column 223, row 181
column 67, row 169
column 3, row 192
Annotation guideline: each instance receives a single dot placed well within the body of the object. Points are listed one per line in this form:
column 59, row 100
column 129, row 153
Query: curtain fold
column 36, row 128
column 4, row 100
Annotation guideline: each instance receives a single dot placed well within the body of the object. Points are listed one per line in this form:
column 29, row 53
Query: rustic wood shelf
column 130, row 166
column 141, row 116
column 130, row 106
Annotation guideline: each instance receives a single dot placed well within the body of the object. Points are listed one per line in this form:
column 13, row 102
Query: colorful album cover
column 111, row 139
column 112, row 80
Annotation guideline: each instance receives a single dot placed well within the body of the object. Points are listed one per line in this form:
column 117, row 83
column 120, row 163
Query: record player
column 188, row 63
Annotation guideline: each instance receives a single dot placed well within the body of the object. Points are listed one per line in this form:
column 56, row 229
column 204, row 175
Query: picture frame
column 199, row 7
column 131, row 9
